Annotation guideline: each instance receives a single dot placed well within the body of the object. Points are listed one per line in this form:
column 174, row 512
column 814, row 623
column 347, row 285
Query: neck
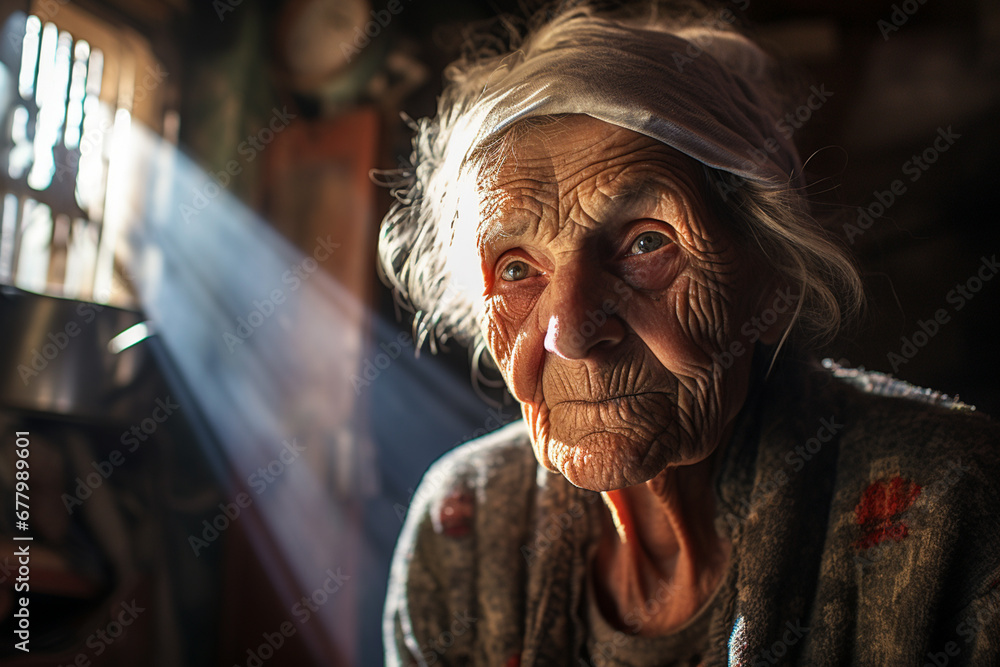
column 659, row 544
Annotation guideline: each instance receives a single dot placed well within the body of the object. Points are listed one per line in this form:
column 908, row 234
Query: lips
column 636, row 416
column 605, row 400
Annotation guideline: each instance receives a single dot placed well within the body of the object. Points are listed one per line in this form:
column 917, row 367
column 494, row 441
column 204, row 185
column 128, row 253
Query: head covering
column 701, row 90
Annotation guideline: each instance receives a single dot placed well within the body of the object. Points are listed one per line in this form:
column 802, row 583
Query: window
column 76, row 91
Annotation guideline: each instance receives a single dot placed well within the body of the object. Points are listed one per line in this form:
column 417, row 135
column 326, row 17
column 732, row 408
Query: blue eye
column 648, row 242
column 515, row 271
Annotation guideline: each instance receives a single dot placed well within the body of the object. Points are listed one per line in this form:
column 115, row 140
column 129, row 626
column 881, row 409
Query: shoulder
column 464, row 527
column 484, row 471
column 482, row 460
column 488, row 476
column 889, row 419
column 918, row 481
column 880, row 428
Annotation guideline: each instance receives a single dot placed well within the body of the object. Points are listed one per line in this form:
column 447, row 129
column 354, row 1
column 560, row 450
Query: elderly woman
column 610, row 209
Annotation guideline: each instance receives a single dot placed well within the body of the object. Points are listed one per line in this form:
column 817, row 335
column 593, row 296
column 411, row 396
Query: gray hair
column 419, row 235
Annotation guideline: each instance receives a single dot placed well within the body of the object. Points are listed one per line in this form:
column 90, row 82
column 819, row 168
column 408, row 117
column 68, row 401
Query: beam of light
column 206, row 271
column 289, row 378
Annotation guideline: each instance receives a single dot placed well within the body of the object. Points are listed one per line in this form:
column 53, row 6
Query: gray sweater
column 864, row 517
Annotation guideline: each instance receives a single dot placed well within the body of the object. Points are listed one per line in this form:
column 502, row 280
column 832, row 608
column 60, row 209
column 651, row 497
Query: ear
column 776, row 310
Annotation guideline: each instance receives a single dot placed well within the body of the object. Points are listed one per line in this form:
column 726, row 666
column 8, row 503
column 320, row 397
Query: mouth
column 607, row 400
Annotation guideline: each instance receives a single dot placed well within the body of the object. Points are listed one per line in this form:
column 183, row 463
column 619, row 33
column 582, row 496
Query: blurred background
column 226, row 416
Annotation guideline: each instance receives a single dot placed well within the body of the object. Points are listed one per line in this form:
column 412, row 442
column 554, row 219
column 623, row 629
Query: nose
column 582, row 313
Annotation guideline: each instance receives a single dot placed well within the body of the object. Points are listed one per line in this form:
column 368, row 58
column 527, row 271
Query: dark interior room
column 226, row 409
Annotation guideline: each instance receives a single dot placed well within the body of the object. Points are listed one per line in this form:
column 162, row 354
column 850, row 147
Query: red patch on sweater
column 455, row 516
column 514, row 661
column 879, row 509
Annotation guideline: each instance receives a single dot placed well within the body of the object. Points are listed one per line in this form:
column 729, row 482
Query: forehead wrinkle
column 585, row 204
column 567, row 169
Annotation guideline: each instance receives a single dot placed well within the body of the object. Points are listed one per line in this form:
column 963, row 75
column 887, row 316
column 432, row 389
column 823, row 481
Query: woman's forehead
column 580, row 150
column 582, row 161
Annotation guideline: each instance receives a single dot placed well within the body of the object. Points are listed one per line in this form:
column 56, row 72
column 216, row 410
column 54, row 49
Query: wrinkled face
column 611, row 294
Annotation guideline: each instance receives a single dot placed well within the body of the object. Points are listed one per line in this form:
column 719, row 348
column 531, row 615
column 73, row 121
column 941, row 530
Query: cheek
column 500, row 330
column 514, row 340
column 682, row 325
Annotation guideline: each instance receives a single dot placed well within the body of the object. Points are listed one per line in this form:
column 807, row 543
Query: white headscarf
column 700, row 90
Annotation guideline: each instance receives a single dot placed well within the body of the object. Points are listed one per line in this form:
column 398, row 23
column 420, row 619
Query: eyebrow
column 632, row 196
column 504, row 228
column 499, row 225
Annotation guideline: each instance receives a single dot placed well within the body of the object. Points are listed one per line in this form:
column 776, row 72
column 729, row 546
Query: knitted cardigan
column 863, row 513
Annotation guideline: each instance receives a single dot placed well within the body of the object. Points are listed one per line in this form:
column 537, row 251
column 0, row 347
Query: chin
column 605, row 461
